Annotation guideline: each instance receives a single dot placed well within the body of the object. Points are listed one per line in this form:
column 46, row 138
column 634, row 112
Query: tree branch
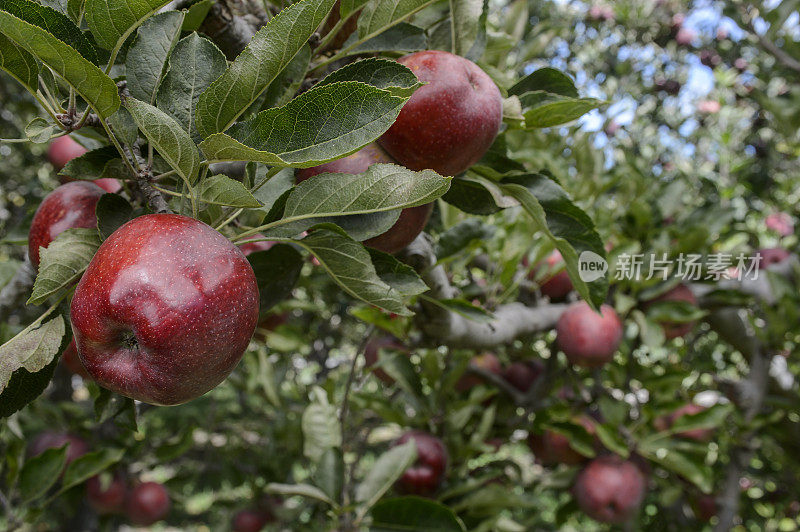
column 449, row 328
column 231, row 24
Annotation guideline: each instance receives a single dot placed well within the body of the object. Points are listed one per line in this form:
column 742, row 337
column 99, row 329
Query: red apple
column 165, row 309
column 610, row 489
column 449, row 123
column 522, row 375
column 556, row 284
column 780, row 222
column 248, row 246
column 680, row 293
column 770, row 256
column 73, row 362
column 689, row 409
column 685, row 36
column 552, row 448
column 147, row 503
column 67, row 207
column 371, row 350
column 106, row 498
column 62, row 150
column 251, row 520
column 411, row 221
column 587, row 338
column 76, row 446
column 485, row 361
column 426, row 475
column 108, row 184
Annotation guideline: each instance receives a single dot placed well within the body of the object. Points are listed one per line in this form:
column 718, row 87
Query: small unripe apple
column 76, row 446
column 106, row 498
column 522, row 375
column 587, row 338
column 680, row 293
column 147, row 503
column 165, row 309
column 770, row 256
column 411, row 221
column 62, row 150
column 426, row 475
column 250, row 520
column 485, row 361
column 69, row 206
column 73, row 362
column 610, row 489
column 372, row 349
column 449, row 123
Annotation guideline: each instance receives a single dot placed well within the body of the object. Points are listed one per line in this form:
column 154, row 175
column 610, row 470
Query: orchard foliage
column 473, row 380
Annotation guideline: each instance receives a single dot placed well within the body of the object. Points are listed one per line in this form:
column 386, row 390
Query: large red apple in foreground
column 449, row 123
column 425, row 476
column 147, row 503
column 164, row 310
column 411, row 221
column 69, row 206
column 610, row 489
column 62, row 150
column 587, row 338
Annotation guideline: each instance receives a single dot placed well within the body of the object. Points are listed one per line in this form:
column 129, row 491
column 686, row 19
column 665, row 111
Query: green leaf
column 270, row 50
column 89, row 465
column 709, row 418
column 109, row 405
column 304, row 490
column 63, row 261
column 611, row 439
column 90, row 165
column 348, row 7
column 389, row 467
column 383, row 187
column 564, row 223
column 277, row 271
column 413, row 514
column 53, row 22
column 544, row 109
column 329, row 474
column 461, row 235
column 39, row 130
column 349, row 264
column 399, row 276
column 33, row 349
column 194, row 64
column 398, row 79
column 196, row 14
column 380, row 15
column 112, row 212
column 399, row 367
column 692, row 469
column 285, row 85
column 25, row 386
column 20, row 64
column 476, row 195
column 168, row 137
column 318, row 126
column 402, row 37
column 548, row 80
column 321, row 429
column 99, row 90
column 465, row 18
column 148, row 56
column 40, row 473
column 111, row 21
column 222, row 190
column 466, row 309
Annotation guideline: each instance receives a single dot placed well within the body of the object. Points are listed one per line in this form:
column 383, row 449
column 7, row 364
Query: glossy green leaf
column 111, row 21
column 544, row 109
column 303, row 490
column 348, row 7
column 166, row 136
column 32, row 349
column 222, row 190
column 62, row 262
column 39, row 130
column 284, row 87
column 465, row 18
column 382, row 73
column 380, row 15
column 89, row 465
column 413, row 514
column 147, row 59
column 21, row 65
column 112, row 212
column 321, row 430
column 277, row 271
column 90, row 165
column 271, row 49
column 26, row 386
column 384, row 473
column 399, row 276
column 329, row 473
column 40, row 473
column 548, row 80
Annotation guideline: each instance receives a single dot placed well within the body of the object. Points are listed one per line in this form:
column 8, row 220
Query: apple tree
column 398, row 265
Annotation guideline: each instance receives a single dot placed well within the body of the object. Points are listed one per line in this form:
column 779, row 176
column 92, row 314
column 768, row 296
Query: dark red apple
column 704, row 506
column 610, row 489
column 411, row 221
column 587, row 338
column 67, row 207
column 147, row 503
column 556, row 284
column 371, row 350
column 770, row 256
column 251, row 520
column 552, row 448
column 108, row 498
column 680, row 293
column 165, row 309
column 449, row 123
column 108, row 184
column 76, row 446
column 62, row 150
column 522, row 375
column 426, row 475
column 485, row 361
column 73, row 362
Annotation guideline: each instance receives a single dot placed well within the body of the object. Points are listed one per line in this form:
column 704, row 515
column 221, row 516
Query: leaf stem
column 231, row 218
